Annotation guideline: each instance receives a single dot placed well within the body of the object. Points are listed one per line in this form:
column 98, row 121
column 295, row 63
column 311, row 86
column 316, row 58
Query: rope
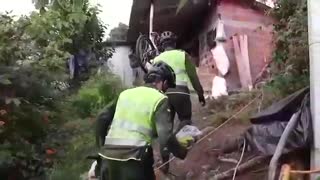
column 206, row 136
column 238, row 164
column 305, row 172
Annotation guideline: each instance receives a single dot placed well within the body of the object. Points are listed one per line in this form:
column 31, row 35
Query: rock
column 204, row 176
column 206, row 167
column 189, row 175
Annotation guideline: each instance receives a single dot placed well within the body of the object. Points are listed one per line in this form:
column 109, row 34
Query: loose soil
column 201, row 163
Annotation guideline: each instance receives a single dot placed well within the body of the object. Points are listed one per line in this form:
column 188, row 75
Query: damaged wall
column 238, row 19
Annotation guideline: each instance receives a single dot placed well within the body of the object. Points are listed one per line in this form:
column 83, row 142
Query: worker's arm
column 192, row 74
column 167, row 140
column 104, row 121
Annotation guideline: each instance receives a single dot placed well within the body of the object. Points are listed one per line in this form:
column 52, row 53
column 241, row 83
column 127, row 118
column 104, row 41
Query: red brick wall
column 238, row 19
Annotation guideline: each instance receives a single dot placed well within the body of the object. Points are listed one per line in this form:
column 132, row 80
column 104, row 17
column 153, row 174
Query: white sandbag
column 188, row 130
column 219, row 87
column 221, row 59
column 91, row 173
column 221, row 36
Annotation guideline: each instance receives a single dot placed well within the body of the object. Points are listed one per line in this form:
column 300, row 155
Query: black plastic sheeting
column 268, row 125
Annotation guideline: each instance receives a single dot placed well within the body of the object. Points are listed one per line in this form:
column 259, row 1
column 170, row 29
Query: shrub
column 291, row 57
column 96, row 93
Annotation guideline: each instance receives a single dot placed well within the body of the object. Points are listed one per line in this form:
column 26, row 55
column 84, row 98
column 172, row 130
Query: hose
column 241, row 157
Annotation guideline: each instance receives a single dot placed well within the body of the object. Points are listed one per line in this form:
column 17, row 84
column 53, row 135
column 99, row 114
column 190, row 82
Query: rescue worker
column 180, row 62
column 141, row 114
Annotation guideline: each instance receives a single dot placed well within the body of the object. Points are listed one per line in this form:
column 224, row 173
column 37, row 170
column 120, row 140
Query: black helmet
column 167, row 35
column 162, row 71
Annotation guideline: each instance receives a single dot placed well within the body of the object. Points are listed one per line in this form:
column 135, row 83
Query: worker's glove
column 202, row 100
column 187, row 141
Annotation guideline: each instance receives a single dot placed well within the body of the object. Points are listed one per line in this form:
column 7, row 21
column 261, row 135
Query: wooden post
column 242, row 58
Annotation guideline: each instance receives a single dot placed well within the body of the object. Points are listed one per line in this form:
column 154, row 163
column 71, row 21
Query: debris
column 91, row 173
column 204, row 176
column 219, row 87
column 227, row 160
column 221, row 36
column 243, row 167
column 206, row 167
column 263, row 70
column 189, row 175
column 214, row 172
column 188, row 130
column 221, row 59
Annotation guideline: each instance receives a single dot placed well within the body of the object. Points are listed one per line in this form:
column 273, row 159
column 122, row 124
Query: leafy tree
column 291, row 55
column 65, row 28
column 33, row 52
column 119, row 33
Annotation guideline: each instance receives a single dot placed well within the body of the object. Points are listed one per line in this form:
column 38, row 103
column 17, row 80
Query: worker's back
column 176, row 59
column 133, row 117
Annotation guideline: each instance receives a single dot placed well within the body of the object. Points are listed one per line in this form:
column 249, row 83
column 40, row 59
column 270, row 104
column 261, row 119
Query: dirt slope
column 200, row 164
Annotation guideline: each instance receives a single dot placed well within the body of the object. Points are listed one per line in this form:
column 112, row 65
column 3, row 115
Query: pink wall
column 238, row 19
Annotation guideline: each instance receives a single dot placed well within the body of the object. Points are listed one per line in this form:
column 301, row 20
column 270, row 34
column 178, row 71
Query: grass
column 225, row 107
column 74, row 162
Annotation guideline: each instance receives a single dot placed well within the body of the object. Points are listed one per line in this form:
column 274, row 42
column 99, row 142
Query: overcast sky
column 113, row 11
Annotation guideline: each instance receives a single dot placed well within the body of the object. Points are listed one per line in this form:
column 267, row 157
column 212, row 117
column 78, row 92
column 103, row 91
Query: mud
column 202, row 163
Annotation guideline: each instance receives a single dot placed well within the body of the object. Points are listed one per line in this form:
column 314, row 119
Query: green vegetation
column 46, row 128
column 290, row 67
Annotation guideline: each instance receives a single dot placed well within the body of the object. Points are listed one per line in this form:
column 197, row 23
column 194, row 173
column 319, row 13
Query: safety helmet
column 167, row 35
column 164, row 71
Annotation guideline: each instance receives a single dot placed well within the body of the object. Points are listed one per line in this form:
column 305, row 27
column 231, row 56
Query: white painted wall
column 119, row 65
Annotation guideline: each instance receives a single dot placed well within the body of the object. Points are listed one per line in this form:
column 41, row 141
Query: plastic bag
column 219, row 87
column 91, row 173
column 187, row 135
column 221, row 59
column 221, row 36
column 188, row 130
column 263, row 136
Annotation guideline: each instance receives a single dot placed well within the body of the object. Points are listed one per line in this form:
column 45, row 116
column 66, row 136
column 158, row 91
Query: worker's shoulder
column 173, row 51
column 142, row 90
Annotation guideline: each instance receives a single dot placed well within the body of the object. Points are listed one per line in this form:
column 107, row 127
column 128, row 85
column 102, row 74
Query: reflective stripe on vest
column 176, row 60
column 133, row 120
column 124, row 142
column 127, row 125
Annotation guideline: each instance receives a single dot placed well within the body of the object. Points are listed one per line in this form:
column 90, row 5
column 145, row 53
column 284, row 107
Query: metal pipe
column 151, row 20
column 151, row 25
column 281, row 144
column 314, row 52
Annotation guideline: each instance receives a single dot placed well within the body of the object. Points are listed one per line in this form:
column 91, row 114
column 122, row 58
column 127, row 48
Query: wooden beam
column 238, row 56
column 246, row 61
column 242, row 60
